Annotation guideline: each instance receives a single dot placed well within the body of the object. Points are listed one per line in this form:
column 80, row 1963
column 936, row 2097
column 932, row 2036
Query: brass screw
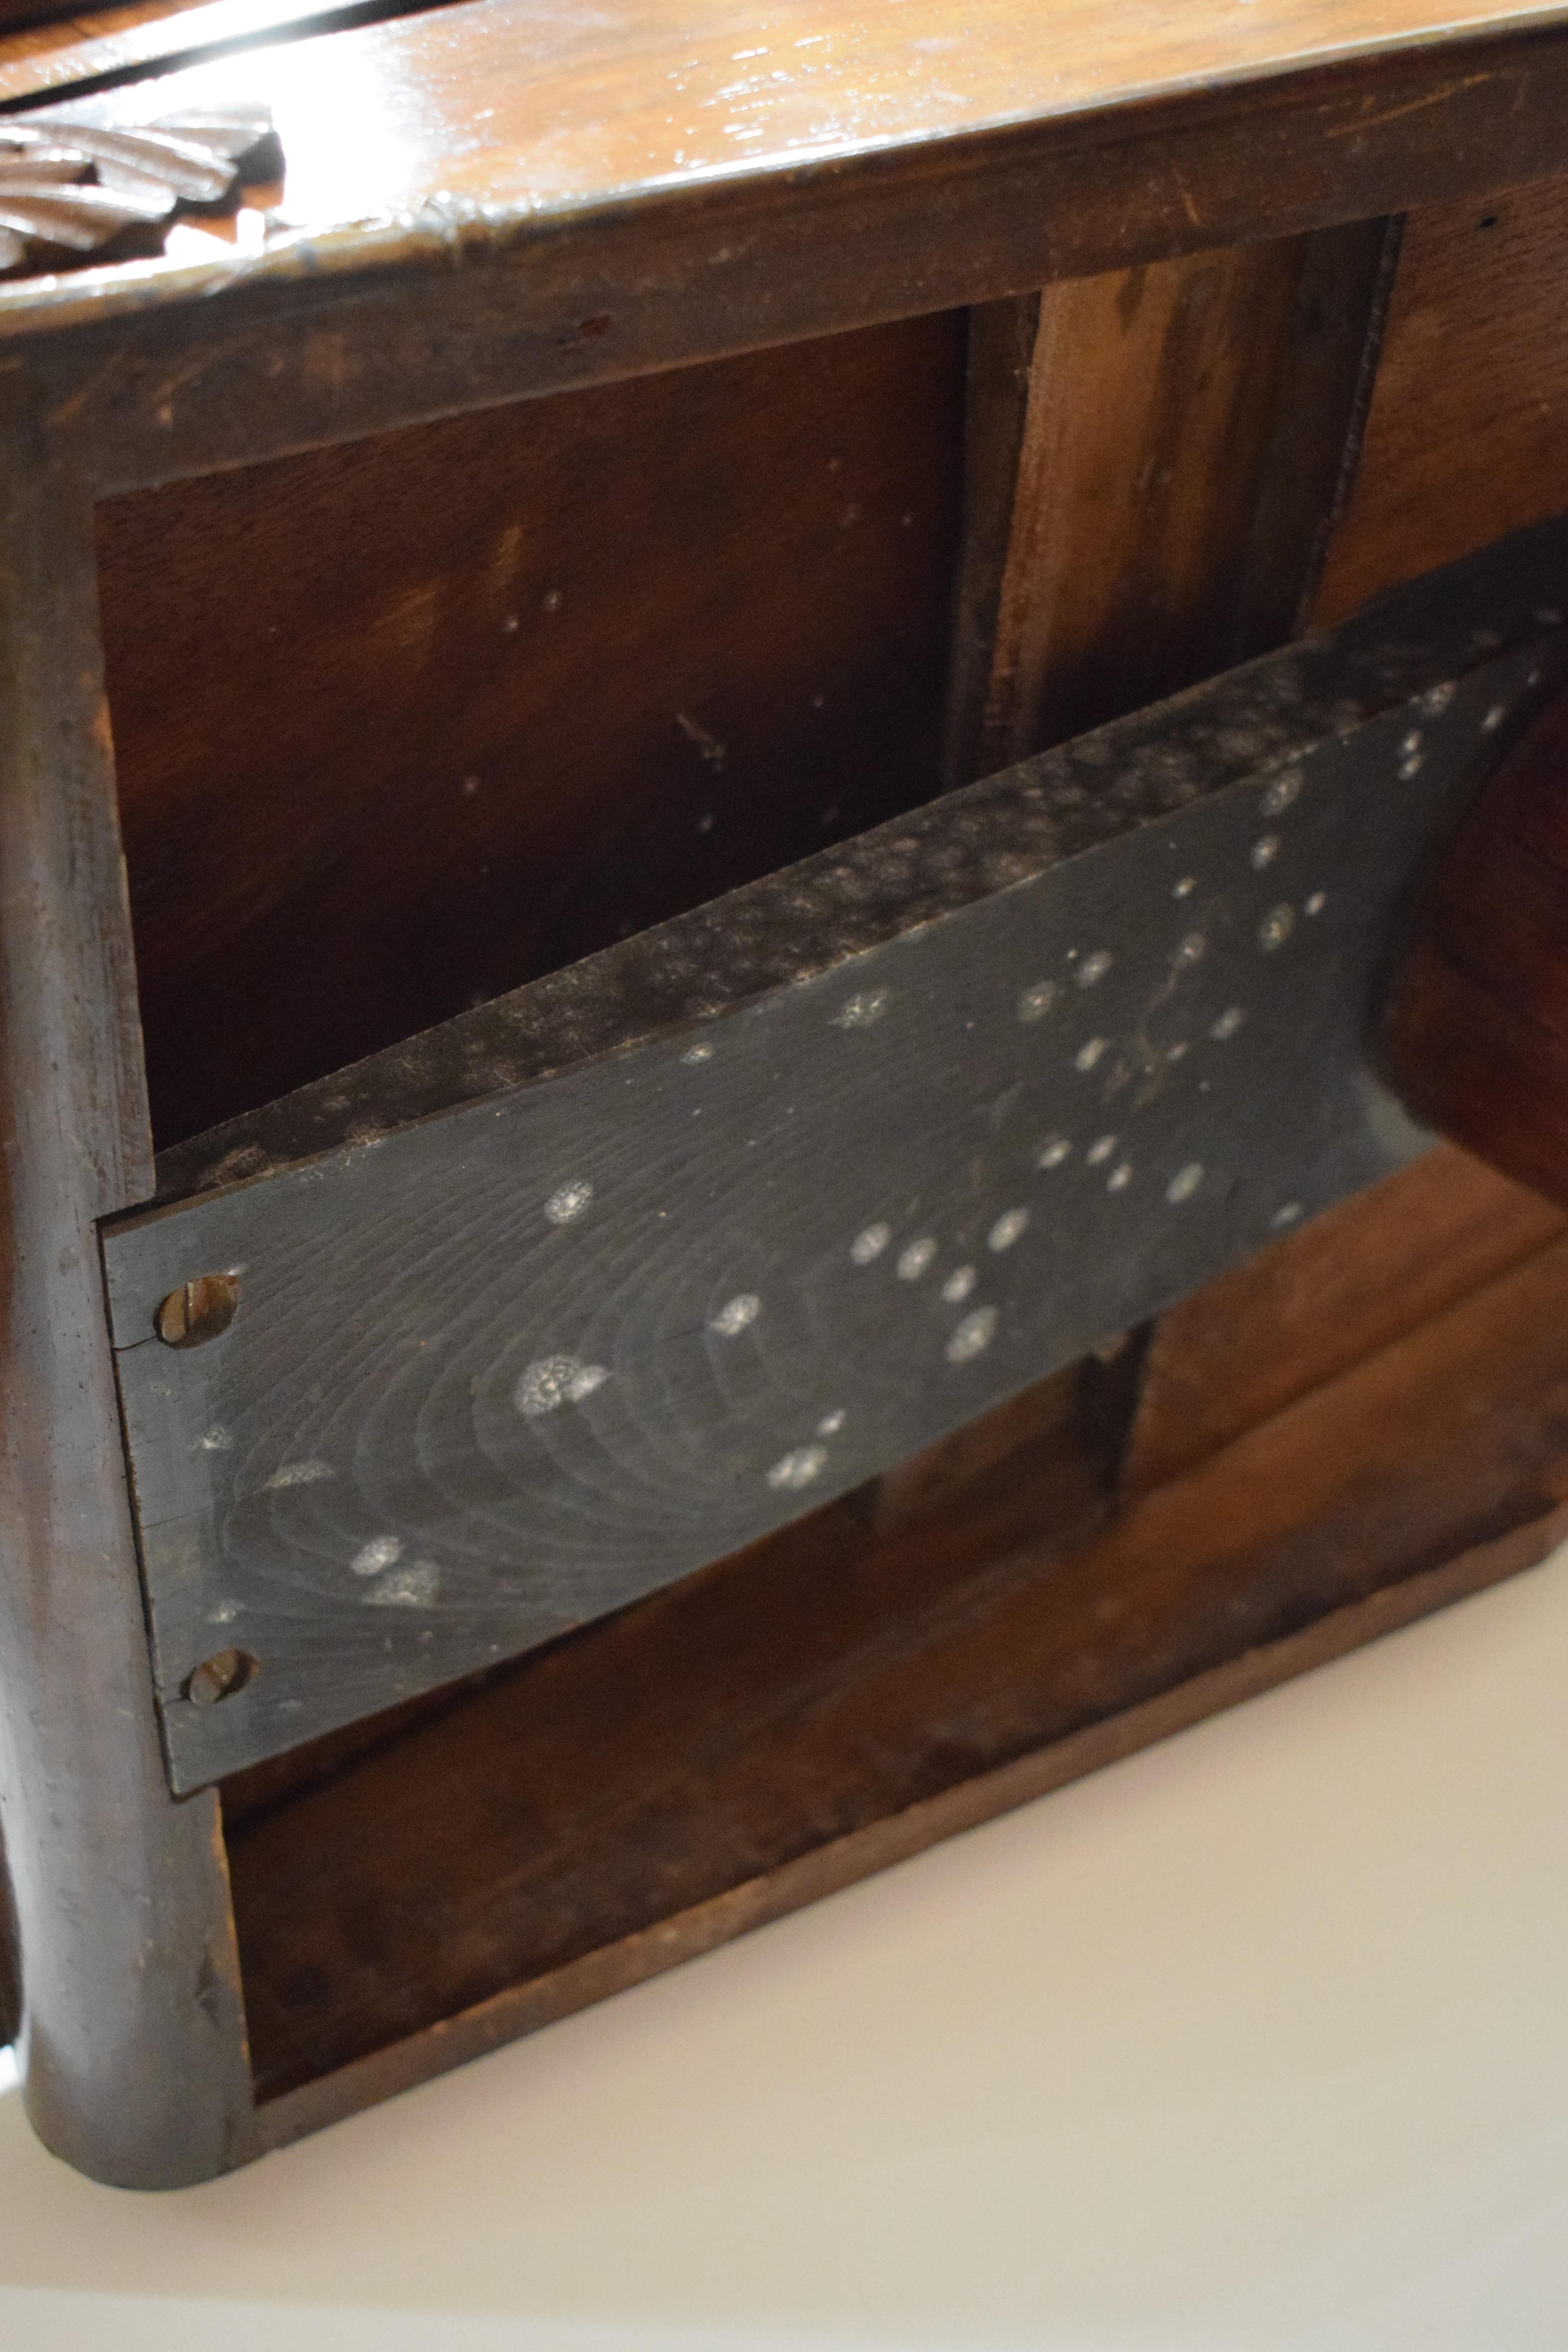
column 198, row 1310
column 219, row 1676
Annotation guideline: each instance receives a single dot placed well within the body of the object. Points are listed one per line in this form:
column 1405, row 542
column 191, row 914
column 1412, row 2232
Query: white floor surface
column 1259, row 2040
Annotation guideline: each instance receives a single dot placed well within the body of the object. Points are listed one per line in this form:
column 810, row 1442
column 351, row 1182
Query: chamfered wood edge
column 331, row 336
column 524, row 2008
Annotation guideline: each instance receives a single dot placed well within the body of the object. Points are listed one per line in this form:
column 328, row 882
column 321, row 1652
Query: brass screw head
column 198, row 1310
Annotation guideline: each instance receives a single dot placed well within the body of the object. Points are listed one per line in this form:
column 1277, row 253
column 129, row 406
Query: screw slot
column 198, row 1310
column 219, row 1676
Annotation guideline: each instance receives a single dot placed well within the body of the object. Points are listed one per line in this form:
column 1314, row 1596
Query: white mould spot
column 1037, row 1002
column 1189, row 952
column 1174, row 1052
column 555, row 1380
column 1288, row 1215
column 1223, row 1029
column 914, row 1261
column 1263, row 852
column 1410, row 766
column 216, row 1440
column 958, row 1284
column 735, row 1314
column 1316, row 903
column 1087, row 1055
column 1185, row 886
column 1101, row 1150
column 1494, row 719
column 569, row 1200
column 831, row 1423
column 1282, row 792
column 224, row 1615
column 382, row 1551
column 1120, row 1178
column 1185, row 1184
column 702, row 1052
column 1276, row 928
column 1053, row 1151
column 860, row 1011
column 301, row 1473
column 973, row 1336
column 1437, row 699
column 414, row 1587
column 1094, row 968
column 1009, row 1225
column 870, row 1243
column 797, row 1469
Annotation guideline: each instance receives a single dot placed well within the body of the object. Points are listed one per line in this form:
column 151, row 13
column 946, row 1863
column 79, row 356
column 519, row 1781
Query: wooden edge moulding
column 868, row 1238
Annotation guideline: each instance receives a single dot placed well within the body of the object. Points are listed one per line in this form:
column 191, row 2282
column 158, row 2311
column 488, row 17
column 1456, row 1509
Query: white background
column 1257, row 2039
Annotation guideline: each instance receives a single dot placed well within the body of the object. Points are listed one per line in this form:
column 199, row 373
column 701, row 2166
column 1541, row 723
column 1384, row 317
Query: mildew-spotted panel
column 501, row 1370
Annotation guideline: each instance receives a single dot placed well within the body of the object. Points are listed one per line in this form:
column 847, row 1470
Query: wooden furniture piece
column 693, row 1192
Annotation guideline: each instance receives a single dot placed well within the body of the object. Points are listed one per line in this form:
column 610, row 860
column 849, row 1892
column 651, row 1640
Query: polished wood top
column 504, row 196
column 516, row 106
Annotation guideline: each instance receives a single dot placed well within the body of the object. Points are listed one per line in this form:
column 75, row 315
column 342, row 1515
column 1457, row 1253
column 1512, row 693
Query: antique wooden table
column 727, row 1190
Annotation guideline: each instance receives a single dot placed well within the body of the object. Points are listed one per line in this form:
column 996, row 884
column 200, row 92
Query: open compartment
column 405, row 724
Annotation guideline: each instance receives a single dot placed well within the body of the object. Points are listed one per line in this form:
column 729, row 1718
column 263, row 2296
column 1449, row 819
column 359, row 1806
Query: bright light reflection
column 348, row 132
column 9, row 2076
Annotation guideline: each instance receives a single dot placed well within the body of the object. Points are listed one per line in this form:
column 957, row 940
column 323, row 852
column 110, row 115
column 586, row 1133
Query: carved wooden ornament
column 73, row 193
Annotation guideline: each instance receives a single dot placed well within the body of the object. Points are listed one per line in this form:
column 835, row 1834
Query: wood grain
column 723, row 1730
column 532, row 145
column 1317, row 1303
column 1181, row 440
column 493, row 694
column 133, row 2033
column 1468, row 433
column 497, row 1373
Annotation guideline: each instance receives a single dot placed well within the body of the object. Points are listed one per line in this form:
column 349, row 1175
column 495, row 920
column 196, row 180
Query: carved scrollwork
column 73, row 193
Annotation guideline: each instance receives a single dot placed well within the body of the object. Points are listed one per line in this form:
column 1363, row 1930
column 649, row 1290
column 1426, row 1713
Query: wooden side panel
column 1467, row 433
column 830, row 1679
column 409, row 722
column 1313, row 1305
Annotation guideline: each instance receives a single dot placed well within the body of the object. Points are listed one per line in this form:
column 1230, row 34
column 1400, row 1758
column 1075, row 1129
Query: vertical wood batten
column 1154, row 460
column 131, row 2040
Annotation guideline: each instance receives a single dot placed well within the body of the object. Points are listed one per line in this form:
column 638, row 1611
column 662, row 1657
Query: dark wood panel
column 1475, row 1026
column 1467, row 433
column 132, row 2032
column 727, row 1729
column 1319, row 1301
column 494, row 1375
column 402, row 725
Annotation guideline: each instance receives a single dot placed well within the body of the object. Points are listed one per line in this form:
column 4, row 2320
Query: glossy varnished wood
column 131, row 2027
column 603, row 235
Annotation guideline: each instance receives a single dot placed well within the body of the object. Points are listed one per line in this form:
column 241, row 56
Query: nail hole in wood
column 219, row 1676
column 198, row 1310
